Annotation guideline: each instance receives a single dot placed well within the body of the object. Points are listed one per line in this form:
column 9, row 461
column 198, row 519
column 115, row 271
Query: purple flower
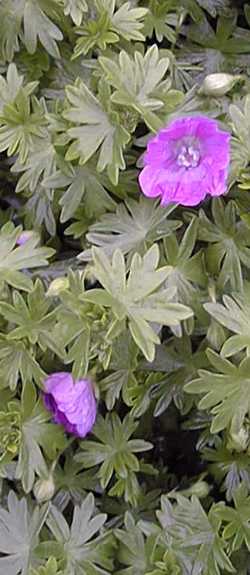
column 186, row 161
column 72, row 403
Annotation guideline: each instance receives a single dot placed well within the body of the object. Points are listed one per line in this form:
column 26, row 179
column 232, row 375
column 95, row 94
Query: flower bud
column 57, row 286
column 238, row 440
column 25, row 236
column 200, row 489
column 44, row 489
column 218, row 84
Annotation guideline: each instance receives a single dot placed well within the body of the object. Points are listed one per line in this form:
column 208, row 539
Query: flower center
column 188, row 156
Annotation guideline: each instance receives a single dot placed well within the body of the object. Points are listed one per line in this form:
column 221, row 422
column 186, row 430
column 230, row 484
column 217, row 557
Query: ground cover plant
column 124, row 287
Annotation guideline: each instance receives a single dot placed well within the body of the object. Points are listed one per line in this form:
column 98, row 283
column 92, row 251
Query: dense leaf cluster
column 152, row 303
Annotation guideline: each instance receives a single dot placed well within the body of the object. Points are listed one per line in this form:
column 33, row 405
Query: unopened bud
column 57, row 286
column 44, row 489
column 238, row 441
column 218, row 84
column 200, row 489
column 25, row 236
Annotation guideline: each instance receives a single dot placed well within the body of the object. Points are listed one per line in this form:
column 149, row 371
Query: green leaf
column 75, row 9
column 137, row 552
column 80, row 552
column 97, row 130
column 237, row 528
column 11, row 87
column 224, row 392
column 37, row 26
column 234, row 314
column 133, row 227
column 83, row 186
column 17, row 361
column 34, row 318
column 39, row 437
column 126, row 21
column 108, row 25
column 137, row 82
column 13, row 260
column 187, row 269
column 136, row 298
column 192, row 530
column 230, row 243
column 122, row 365
column 51, row 568
column 113, row 450
column 213, row 7
column 10, row 24
column 19, row 532
column 161, row 20
column 228, row 468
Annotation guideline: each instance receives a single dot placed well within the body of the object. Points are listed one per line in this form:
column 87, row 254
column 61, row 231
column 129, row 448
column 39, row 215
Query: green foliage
column 24, row 526
column 136, row 298
column 223, row 392
column 49, row 569
column 36, row 432
column 139, row 83
column 190, row 528
column 149, row 302
column 109, row 25
column 75, row 546
column 14, row 259
column 115, row 451
column 131, row 229
column 99, row 129
column 230, row 241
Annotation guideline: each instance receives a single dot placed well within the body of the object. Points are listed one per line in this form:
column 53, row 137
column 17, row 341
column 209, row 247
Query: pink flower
column 186, row 161
column 72, row 403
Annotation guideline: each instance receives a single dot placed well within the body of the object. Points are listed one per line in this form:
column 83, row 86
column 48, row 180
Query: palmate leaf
column 34, row 319
column 230, row 243
column 14, row 259
column 19, row 535
column 22, row 124
column 239, row 116
column 137, row 552
column 16, row 361
column 226, row 41
column 236, row 520
column 36, row 432
column 138, row 298
column 229, row 469
column 10, row 24
column 161, row 20
column 195, row 536
column 75, row 546
column 51, row 568
column 115, row 451
column 39, row 166
column 138, row 82
column 133, row 228
column 179, row 364
column 122, row 366
column 82, row 185
column 187, row 268
column 11, row 86
column 38, row 26
column 225, row 393
column 95, row 129
column 75, row 9
column 234, row 314
column 109, row 25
